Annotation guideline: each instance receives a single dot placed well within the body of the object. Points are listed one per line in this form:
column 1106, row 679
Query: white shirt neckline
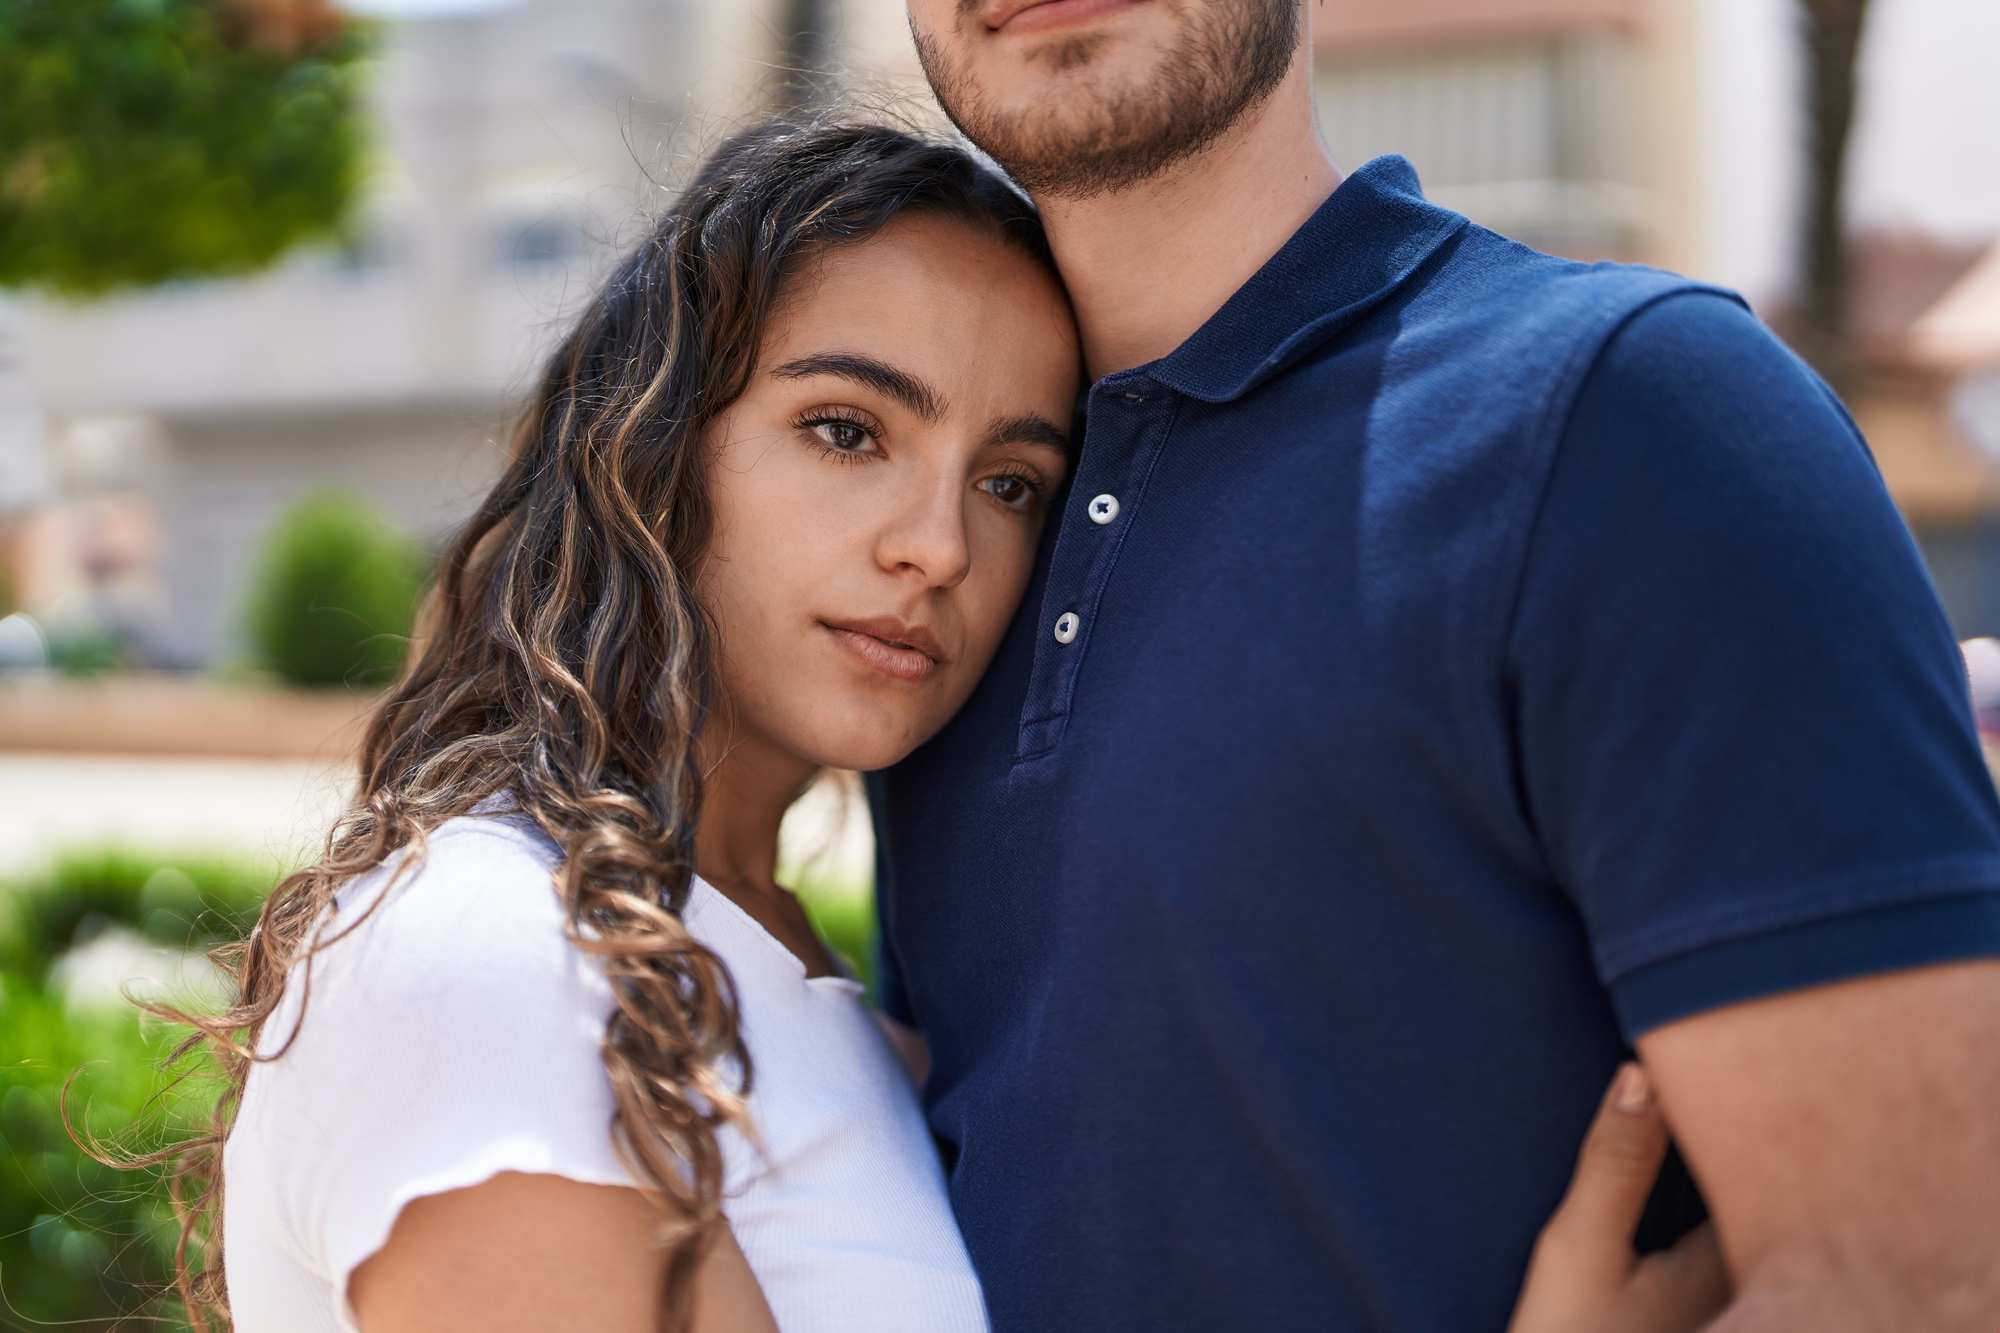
column 710, row 894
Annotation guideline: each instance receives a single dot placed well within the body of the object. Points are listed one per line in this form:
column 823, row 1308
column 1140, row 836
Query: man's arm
column 1848, row 1141
column 1749, row 756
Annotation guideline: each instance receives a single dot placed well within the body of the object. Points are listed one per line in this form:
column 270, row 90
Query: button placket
column 1124, row 433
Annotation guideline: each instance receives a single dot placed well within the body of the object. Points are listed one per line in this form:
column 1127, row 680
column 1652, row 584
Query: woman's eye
column 845, row 436
column 1010, row 491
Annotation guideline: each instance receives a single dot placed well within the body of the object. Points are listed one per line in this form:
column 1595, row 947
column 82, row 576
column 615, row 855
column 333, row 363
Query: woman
column 771, row 509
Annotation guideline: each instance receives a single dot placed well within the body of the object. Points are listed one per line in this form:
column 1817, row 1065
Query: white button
column 1103, row 509
column 1066, row 626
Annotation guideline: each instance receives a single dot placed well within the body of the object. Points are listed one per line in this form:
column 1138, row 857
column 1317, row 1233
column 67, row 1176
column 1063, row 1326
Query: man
column 1451, row 665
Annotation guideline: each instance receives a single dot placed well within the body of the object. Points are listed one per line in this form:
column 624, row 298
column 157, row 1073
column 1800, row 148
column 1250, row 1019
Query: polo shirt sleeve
column 1743, row 730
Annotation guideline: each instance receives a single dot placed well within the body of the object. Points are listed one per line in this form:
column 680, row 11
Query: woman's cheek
column 1001, row 567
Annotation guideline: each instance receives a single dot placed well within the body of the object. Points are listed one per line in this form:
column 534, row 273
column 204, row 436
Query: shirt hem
column 1801, row 904
column 528, row 1157
column 1891, row 938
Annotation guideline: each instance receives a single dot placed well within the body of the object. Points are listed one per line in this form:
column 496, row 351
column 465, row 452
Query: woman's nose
column 927, row 535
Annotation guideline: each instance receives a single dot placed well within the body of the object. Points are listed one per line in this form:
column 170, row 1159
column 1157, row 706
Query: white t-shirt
column 455, row 1034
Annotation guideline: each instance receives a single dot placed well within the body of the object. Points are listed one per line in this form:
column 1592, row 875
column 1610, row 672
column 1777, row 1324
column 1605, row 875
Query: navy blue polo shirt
column 1489, row 658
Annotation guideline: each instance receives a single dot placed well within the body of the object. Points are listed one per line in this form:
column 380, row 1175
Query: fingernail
column 1633, row 1093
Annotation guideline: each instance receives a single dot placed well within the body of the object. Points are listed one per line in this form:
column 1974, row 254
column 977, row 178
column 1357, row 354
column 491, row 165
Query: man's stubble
column 1092, row 139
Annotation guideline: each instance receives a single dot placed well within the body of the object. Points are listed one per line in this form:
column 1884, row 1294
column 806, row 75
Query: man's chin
column 1105, row 110
column 1051, row 64
column 1059, row 118
column 1079, row 137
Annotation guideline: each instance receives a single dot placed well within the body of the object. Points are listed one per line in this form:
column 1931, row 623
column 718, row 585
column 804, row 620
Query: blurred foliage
column 844, row 916
column 86, row 649
column 336, row 593
column 85, row 1244
column 183, row 902
column 143, row 141
column 81, row 1241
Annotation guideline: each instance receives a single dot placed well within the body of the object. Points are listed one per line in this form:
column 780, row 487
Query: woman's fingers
column 1688, row 1285
column 1585, row 1276
column 1615, row 1171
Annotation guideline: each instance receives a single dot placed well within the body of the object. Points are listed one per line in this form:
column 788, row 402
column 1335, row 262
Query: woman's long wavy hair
column 565, row 664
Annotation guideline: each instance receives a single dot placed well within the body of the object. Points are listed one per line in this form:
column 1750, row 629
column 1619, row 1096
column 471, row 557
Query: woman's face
column 879, row 490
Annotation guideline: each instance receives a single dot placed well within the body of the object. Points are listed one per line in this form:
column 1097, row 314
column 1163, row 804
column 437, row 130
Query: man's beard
column 1229, row 58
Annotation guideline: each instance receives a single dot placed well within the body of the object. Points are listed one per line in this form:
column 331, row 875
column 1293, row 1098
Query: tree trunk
column 1833, row 40
column 808, row 52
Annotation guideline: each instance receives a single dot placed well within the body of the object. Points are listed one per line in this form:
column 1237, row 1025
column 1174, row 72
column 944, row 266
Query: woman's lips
column 890, row 651
column 1020, row 16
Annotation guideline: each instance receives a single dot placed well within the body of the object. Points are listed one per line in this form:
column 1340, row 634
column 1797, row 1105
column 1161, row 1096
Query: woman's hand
column 1585, row 1276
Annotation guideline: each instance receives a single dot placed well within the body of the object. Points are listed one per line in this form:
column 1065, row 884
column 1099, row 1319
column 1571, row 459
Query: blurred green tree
column 143, row 141
column 336, row 593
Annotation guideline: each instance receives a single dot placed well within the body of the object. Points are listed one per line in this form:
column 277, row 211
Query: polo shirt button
column 1103, row 509
column 1066, row 626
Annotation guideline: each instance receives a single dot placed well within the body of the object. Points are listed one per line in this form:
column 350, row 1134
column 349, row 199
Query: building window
column 1537, row 139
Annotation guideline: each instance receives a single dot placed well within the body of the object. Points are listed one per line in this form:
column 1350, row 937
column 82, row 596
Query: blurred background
column 274, row 275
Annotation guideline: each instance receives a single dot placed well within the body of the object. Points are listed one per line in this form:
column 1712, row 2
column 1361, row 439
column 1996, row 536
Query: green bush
column 81, row 1241
column 143, row 141
column 335, row 594
column 186, row 902
column 86, row 650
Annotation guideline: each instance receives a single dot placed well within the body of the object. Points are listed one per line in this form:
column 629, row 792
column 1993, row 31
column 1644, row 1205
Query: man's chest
column 1259, row 693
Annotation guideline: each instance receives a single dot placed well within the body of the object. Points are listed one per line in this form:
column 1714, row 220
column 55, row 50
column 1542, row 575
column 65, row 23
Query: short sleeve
column 1742, row 721
column 452, row 1035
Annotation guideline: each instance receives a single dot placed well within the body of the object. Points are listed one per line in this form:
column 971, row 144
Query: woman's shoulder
column 468, row 926
column 444, row 983
column 445, row 1030
column 469, row 871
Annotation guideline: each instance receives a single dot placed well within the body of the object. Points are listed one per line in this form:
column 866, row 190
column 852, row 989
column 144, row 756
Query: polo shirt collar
column 1370, row 235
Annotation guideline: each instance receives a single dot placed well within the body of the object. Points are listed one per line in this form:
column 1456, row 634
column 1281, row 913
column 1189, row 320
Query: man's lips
column 906, row 652
column 1018, row 16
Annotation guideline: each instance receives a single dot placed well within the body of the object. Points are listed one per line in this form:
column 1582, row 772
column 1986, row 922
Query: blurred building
column 1671, row 132
column 1933, row 418
column 522, row 138
column 518, row 143
column 1529, row 116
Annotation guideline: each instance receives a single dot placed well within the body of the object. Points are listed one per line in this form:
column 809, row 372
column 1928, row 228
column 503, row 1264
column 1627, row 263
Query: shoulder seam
column 1550, row 433
column 1562, row 405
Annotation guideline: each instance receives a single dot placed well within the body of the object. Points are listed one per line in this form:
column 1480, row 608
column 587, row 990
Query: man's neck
column 1147, row 266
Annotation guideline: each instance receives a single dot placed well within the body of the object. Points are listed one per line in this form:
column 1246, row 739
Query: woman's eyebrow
column 1027, row 430
column 904, row 387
